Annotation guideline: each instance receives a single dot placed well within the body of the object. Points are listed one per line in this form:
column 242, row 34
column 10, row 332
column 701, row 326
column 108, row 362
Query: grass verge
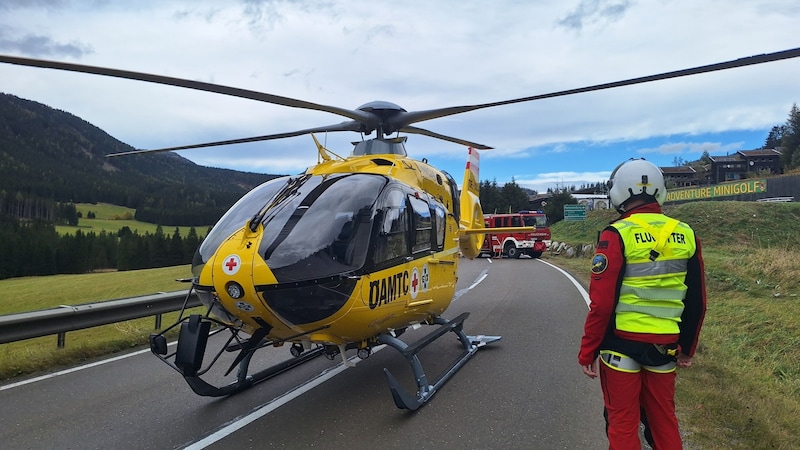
column 34, row 293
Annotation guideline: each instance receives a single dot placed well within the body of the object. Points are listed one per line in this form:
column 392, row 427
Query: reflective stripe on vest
column 652, row 292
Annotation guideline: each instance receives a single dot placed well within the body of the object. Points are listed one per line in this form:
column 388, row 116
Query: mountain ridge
column 51, row 155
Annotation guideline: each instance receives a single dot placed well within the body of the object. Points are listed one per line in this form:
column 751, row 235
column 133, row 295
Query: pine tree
column 190, row 244
column 555, row 206
column 176, row 249
column 790, row 141
column 514, row 198
column 774, row 137
column 491, row 201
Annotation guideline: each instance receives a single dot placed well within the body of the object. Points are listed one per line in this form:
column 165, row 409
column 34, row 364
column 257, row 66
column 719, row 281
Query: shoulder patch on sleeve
column 602, row 244
column 599, row 263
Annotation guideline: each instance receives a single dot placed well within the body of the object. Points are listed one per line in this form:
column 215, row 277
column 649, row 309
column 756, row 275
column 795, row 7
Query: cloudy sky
column 419, row 54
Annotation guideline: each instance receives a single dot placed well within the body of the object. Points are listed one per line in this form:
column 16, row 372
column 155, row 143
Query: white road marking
column 477, row 281
column 238, row 424
column 574, row 281
column 73, row 369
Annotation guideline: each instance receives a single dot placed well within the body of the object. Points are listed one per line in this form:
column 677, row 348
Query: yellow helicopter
column 345, row 256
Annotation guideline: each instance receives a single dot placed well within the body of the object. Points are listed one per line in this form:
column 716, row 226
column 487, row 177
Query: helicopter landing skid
column 425, row 391
column 188, row 357
column 243, row 380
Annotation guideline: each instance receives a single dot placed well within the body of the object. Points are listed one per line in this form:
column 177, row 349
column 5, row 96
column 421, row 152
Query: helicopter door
column 435, row 269
column 408, row 252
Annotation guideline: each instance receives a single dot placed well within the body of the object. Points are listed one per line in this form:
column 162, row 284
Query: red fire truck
column 513, row 244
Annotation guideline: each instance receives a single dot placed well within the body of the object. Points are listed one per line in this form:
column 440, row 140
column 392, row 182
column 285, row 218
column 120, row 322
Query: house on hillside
column 744, row 164
column 737, row 166
column 681, row 176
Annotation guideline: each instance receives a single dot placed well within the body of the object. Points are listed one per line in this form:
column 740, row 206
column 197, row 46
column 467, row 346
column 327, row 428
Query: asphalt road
column 525, row 391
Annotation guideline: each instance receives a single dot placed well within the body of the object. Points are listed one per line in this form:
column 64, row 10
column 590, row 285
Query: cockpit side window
column 440, row 218
column 392, row 240
column 422, row 223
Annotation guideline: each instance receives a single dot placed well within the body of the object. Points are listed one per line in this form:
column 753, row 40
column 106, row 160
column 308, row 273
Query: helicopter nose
column 235, row 270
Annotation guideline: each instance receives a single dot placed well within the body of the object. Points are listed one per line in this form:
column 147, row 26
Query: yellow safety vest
column 657, row 251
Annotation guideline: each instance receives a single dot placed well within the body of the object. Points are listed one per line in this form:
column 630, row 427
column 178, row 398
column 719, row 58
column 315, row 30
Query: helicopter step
column 425, row 390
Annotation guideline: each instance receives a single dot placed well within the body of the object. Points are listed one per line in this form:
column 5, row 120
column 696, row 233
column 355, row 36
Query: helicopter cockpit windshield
column 314, row 226
column 324, row 230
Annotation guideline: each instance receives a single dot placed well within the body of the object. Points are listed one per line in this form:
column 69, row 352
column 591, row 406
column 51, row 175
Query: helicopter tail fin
column 471, row 237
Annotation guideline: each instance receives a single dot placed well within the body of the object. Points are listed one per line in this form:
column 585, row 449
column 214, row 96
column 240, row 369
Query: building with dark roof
column 744, row 164
column 737, row 166
column 681, row 176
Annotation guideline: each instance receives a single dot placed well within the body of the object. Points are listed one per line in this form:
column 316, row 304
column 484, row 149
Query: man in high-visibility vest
column 648, row 301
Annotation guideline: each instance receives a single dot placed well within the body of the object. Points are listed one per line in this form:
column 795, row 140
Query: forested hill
column 49, row 156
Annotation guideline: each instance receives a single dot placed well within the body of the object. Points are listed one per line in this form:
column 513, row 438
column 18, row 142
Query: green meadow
column 111, row 218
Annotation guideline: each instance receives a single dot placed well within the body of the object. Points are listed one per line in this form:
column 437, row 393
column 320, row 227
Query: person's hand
column 590, row 369
column 684, row 362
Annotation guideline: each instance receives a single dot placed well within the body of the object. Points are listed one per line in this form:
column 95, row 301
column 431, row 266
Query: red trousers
column 626, row 394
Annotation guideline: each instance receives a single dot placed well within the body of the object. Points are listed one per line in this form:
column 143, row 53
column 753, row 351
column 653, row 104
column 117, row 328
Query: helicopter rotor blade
column 383, row 116
column 359, row 116
column 344, row 126
column 424, row 132
column 404, row 119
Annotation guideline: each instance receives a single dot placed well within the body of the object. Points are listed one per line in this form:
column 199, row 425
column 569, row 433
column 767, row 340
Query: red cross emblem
column 231, row 264
column 414, row 282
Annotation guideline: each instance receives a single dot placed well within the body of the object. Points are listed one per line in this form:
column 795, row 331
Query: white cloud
column 692, row 148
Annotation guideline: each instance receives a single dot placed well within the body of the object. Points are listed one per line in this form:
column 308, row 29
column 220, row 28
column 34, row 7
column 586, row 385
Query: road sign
column 574, row 212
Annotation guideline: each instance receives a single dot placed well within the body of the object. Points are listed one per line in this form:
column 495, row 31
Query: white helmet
column 636, row 177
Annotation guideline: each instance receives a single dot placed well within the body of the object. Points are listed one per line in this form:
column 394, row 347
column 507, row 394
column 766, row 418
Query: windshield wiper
column 290, row 189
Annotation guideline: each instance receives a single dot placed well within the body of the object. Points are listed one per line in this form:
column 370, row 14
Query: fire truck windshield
column 535, row 221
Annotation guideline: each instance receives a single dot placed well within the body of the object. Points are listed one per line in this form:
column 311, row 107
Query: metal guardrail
column 46, row 322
